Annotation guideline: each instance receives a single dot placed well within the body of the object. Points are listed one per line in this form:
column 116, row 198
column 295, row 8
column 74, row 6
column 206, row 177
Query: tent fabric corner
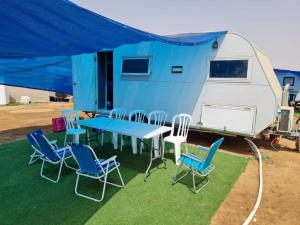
column 40, row 30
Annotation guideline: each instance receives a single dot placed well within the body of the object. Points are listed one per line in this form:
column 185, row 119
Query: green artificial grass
column 26, row 198
column 297, row 113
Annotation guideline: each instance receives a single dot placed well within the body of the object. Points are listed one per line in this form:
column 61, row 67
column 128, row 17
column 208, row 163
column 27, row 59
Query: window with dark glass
column 135, row 66
column 228, row 69
column 288, row 80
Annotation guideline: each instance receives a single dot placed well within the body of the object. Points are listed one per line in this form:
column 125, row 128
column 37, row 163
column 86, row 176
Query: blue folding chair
column 52, row 154
column 196, row 166
column 92, row 167
column 36, row 155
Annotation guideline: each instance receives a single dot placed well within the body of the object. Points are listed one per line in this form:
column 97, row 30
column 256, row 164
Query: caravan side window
column 136, row 66
column 228, row 69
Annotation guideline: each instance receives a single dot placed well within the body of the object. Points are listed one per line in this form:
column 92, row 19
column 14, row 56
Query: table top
column 128, row 128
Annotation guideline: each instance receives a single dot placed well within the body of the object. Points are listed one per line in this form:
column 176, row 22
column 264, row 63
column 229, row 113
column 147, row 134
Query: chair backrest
column 45, row 147
column 31, row 139
column 212, row 151
column 118, row 113
column 183, row 121
column 157, row 118
column 68, row 115
column 85, row 158
column 138, row 116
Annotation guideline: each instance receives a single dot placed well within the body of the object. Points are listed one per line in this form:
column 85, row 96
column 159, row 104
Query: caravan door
column 84, row 69
column 105, row 80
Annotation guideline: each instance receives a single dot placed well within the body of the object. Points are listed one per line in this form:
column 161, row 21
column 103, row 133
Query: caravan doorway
column 105, row 80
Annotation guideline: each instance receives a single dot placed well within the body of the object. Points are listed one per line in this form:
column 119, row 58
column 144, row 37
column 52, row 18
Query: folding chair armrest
column 113, row 158
column 61, row 150
column 192, row 157
column 54, row 143
column 202, row 148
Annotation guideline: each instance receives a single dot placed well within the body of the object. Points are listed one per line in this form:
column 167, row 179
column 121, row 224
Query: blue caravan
column 227, row 84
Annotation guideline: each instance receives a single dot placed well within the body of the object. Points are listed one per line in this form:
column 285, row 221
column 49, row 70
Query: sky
column 272, row 25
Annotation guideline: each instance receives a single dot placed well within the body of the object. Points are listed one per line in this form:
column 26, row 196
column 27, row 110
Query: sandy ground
column 281, row 169
column 17, row 121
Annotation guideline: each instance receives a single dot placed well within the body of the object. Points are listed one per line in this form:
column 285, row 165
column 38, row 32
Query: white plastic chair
column 156, row 118
column 71, row 127
column 118, row 114
column 180, row 136
column 137, row 116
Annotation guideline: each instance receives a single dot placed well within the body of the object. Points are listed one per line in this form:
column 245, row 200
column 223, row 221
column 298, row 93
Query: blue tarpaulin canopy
column 44, row 73
column 42, row 30
column 286, row 72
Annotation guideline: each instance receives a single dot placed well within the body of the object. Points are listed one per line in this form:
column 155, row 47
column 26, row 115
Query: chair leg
column 115, row 140
column 163, row 147
column 120, row 177
column 112, row 138
column 47, row 178
column 114, row 184
column 141, row 146
column 104, row 187
column 35, row 156
column 88, row 136
column 76, row 138
column 134, row 145
column 99, row 138
column 65, row 141
column 203, row 184
column 88, row 197
column 122, row 142
column 177, row 153
column 194, row 183
column 186, row 147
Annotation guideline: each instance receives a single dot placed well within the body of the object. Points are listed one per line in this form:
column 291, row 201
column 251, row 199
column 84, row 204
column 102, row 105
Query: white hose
column 259, row 195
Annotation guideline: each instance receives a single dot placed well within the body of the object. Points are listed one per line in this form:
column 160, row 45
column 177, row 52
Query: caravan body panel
column 190, row 90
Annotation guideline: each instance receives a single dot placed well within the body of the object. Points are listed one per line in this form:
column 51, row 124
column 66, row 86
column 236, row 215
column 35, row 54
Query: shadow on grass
column 187, row 180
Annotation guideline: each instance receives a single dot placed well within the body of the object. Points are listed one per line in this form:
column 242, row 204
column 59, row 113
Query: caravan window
column 228, row 69
column 136, row 66
column 288, row 80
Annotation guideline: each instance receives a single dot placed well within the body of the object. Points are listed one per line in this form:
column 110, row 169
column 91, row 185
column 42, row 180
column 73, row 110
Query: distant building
column 15, row 94
column 289, row 77
column 9, row 94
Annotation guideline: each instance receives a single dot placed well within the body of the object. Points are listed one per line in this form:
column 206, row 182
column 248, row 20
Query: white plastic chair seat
column 75, row 131
column 175, row 139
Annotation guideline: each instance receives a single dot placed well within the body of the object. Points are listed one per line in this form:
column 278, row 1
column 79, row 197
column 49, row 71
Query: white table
column 133, row 129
